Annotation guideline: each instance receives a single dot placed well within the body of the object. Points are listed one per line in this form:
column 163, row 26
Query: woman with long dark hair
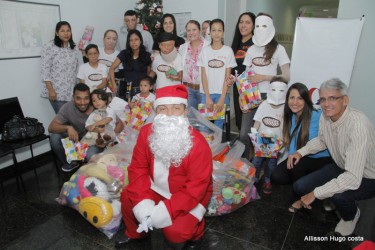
column 60, row 62
column 300, row 125
column 242, row 41
column 168, row 24
column 135, row 59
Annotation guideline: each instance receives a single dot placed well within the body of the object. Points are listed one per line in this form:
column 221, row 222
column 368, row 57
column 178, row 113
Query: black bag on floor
column 19, row 128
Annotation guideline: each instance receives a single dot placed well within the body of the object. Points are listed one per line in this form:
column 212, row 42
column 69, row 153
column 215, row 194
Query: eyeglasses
column 330, row 99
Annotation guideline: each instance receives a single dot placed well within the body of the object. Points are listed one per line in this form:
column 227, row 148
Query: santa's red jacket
column 186, row 188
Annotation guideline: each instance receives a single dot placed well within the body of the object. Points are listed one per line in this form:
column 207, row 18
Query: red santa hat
column 175, row 94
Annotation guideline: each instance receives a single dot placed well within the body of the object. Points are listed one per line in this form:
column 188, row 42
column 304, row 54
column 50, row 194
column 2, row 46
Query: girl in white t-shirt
column 93, row 73
column 216, row 62
column 263, row 57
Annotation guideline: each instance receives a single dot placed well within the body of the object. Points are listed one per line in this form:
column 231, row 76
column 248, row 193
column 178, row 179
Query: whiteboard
column 25, row 27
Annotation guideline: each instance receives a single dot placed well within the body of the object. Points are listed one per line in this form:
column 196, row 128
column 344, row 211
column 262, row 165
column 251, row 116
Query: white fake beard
column 171, row 140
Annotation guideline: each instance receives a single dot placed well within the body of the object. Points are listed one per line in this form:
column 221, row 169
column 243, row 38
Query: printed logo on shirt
column 95, row 77
column 214, row 63
column 105, row 62
column 261, row 62
column 163, row 68
column 271, row 122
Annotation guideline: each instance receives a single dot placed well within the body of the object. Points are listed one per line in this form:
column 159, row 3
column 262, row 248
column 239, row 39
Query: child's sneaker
column 267, row 188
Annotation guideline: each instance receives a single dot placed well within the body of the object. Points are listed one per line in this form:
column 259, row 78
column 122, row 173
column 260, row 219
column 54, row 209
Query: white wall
column 362, row 85
column 200, row 10
column 21, row 77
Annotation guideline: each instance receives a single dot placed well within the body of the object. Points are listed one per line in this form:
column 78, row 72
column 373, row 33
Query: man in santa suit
column 170, row 174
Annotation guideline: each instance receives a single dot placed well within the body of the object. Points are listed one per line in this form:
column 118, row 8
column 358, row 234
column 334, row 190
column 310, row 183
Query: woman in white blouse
column 60, row 62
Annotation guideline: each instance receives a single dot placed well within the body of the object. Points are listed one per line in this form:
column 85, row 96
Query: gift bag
column 211, row 114
column 74, row 151
column 266, row 146
column 249, row 94
column 136, row 116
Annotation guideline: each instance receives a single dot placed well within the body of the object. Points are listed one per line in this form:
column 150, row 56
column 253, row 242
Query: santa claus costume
column 174, row 196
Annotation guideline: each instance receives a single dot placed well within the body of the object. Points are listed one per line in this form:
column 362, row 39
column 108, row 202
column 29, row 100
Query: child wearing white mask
column 268, row 121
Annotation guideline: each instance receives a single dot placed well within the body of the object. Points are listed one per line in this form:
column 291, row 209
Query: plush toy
column 113, row 226
column 71, row 191
column 96, row 210
column 93, row 138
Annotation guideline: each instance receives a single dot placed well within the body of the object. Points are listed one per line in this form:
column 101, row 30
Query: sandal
column 294, row 209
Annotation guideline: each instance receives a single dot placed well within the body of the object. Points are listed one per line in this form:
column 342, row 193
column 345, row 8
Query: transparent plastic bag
column 233, row 181
column 95, row 189
column 212, row 133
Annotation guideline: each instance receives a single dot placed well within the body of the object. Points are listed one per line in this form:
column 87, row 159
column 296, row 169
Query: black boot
column 196, row 245
column 175, row 246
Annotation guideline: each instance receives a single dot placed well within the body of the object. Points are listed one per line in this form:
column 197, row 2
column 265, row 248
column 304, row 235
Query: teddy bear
column 94, row 138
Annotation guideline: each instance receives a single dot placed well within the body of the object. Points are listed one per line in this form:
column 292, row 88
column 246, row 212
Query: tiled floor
column 34, row 220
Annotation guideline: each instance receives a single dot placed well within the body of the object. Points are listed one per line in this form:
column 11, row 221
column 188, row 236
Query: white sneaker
column 346, row 228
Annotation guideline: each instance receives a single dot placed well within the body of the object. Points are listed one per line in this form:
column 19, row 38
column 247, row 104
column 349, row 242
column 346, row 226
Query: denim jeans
column 194, row 98
column 215, row 98
column 258, row 162
column 58, row 149
column 56, row 105
column 346, row 201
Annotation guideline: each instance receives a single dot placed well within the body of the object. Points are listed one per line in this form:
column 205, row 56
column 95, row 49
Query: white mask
column 277, row 93
column 169, row 57
column 264, row 31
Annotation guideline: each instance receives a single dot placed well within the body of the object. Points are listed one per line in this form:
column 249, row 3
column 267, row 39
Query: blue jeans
column 56, row 105
column 258, row 162
column 346, row 201
column 58, row 149
column 194, row 98
column 215, row 98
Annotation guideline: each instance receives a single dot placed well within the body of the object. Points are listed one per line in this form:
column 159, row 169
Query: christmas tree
column 150, row 13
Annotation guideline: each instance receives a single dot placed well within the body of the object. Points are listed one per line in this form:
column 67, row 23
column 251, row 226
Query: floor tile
column 16, row 219
column 256, row 223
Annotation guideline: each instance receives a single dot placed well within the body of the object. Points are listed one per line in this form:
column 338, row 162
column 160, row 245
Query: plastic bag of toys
column 233, row 180
column 212, row 133
column 94, row 191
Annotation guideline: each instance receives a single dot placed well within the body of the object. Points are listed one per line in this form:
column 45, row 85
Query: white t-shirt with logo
column 271, row 119
column 254, row 58
column 159, row 66
column 108, row 59
column 215, row 63
column 92, row 76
